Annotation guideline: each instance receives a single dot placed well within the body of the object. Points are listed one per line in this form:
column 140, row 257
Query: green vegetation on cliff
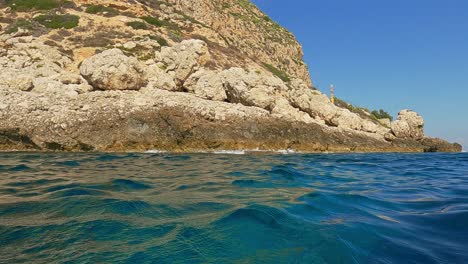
column 26, row 5
column 100, row 9
column 153, row 21
column 137, row 25
column 381, row 114
column 363, row 112
column 161, row 41
column 277, row 72
column 58, row 21
column 20, row 23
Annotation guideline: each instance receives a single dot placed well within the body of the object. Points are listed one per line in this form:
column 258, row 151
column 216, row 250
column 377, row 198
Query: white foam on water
column 155, row 151
column 232, row 152
column 280, row 151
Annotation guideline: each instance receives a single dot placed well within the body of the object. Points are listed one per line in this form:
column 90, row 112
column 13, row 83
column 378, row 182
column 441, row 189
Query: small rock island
column 173, row 75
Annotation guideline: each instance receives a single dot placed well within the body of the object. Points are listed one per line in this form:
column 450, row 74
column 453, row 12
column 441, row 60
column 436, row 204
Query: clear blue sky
column 387, row 54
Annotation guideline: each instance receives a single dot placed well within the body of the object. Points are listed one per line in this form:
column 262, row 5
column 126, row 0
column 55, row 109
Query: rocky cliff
column 171, row 75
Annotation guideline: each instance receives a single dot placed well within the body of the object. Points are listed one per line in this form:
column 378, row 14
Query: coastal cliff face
column 174, row 75
column 242, row 25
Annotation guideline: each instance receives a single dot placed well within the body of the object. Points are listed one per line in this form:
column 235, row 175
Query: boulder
column 252, row 88
column 112, row 70
column 159, row 79
column 183, row 59
column 206, row 84
column 409, row 124
column 283, row 109
column 316, row 104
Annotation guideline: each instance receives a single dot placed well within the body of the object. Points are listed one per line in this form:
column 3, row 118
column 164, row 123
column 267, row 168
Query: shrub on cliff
column 363, row 112
column 153, row 21
column 20, row 23
column 26, row 5
column 58, row 21
column 343, row 104
column 277, row 72
column 161, row 41
column 161, row 23
column 381, row 114
column 100, row 9
column 137, row 25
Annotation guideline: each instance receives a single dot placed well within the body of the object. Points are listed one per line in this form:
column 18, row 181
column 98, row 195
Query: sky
column 398, row 54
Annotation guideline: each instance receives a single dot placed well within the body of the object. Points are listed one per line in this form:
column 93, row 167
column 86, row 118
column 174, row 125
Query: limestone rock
column 159, row 79
column 223, row 92
column 318, row 106
column 26, row 59
column 389, row 136
column 71, row 78
column 386, row 122
column 439, row 145
column 254, row 38
column 252, row 88
column 184, row 59
column 112, row 70
column 409, row 124
column 129, row 45
column 345, row 119
column 315, row 103
column 21, row 82
column 284, row 109
column 145, row 42
column 49, row 86
column 206, row 84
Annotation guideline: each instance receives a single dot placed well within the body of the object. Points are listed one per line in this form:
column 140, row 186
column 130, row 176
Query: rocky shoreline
column 189, row 95
column 121, row 121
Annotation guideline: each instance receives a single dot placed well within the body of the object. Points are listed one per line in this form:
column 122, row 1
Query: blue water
column 207, row 208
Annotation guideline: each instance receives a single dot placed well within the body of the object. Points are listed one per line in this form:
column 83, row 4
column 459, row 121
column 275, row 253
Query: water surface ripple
column 207, row 208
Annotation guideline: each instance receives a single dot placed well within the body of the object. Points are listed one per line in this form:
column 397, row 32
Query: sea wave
column 232, row 152
column 206, row 208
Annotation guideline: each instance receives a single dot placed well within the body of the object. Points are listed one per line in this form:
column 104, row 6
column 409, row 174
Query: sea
column 226, row 208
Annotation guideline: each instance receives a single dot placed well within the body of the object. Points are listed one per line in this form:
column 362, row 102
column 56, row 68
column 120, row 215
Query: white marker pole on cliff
column 332, row 93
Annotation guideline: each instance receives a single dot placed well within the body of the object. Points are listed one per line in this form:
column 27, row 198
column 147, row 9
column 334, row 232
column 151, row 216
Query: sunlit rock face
column 175, row 75
column 409, row 124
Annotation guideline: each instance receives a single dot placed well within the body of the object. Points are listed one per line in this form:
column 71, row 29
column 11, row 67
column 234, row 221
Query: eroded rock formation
column 173, row 82
column 112, row 70
column 409, row 124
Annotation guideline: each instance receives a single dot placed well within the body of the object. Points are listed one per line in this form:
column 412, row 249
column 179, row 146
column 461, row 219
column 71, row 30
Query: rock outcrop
column 409, row 124
column 243, row 26
column 112, row 70
column 155, row 77
column 183, row 59
column 24, row 60
column 206, row 84
column 252, row 88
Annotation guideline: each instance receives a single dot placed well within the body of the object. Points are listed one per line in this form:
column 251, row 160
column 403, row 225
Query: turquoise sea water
column 208, row 208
